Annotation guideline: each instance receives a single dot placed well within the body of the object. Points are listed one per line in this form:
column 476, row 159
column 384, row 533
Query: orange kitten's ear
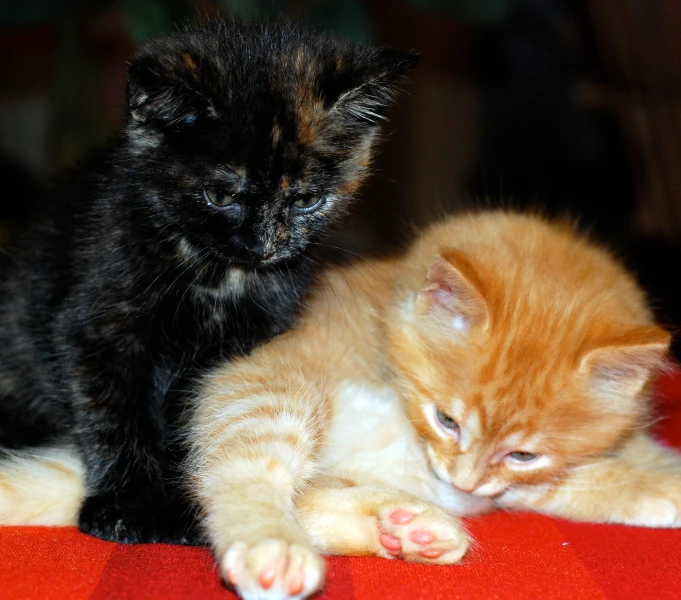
column 624, row 364
column 454, row 288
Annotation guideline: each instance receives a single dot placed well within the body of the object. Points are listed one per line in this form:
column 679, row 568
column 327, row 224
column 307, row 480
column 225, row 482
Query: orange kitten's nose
column 465, row 488
column 466, row 479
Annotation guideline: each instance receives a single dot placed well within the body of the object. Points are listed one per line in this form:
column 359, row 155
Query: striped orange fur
column 503, row 356
column 503, row 361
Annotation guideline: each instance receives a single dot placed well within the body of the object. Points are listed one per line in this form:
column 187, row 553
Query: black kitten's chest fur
column 109, row 326
column 182, row 242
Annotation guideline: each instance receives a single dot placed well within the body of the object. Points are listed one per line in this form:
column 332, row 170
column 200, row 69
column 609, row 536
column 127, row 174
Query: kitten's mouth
column 266, row 261
column 487, row 490
column 273, row 265
column 256, row 263
column 276, row 260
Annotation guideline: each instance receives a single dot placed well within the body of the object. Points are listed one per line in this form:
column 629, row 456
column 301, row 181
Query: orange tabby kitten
column 520, row 355
column 503, row 361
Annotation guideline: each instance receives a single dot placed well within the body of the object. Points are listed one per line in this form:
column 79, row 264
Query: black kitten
column 179, row 243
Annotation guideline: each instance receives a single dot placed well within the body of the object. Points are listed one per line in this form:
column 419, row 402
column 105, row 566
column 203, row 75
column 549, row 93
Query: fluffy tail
column 44, row 486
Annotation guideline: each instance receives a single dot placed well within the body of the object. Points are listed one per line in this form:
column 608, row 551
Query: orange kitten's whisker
column 591, row 465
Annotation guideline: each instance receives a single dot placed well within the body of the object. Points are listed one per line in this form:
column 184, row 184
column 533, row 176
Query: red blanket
column 517, row 556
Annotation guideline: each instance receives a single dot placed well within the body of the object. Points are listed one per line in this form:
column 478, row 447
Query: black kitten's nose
column 263, row 252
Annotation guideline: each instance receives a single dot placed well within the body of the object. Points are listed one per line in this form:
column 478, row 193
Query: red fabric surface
column 516, row 556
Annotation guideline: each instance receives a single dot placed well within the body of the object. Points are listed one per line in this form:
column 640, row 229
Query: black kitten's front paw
column 107, row 518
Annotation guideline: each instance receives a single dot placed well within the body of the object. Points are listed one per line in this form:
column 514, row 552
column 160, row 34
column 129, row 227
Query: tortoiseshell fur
column 133, row 280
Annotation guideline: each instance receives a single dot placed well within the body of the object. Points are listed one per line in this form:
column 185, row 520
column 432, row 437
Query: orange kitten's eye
column 446, row 421
column 523, row 457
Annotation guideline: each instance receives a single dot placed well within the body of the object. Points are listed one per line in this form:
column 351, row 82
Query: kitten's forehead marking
column 513, row 440
column 458, row 409
column 236, row 176
column 189, row 61
column 284, row 184
column 309, row 120
column 471, row 429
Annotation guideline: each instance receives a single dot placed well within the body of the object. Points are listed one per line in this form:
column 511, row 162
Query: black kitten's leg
column 187, row 530
column 21, row 430
column 138, row 513
column 121, row 425
column 125, row 494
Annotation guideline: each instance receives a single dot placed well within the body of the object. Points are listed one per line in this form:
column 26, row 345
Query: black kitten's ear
column 163, row 93
column 366, row 84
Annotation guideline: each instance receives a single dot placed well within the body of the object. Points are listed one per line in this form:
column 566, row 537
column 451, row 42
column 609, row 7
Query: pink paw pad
column 391, row 543
column 295, row 587
column 432, row 553
column 231, row 576
column 266, row 579
column 421, row 536
column 401, row 517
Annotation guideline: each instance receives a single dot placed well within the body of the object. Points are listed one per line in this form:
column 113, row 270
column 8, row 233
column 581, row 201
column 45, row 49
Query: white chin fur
column 488, row 489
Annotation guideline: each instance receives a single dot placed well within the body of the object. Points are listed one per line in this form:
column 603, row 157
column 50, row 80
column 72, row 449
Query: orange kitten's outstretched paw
column 421, row 535
column 657, row 499
column 658, row 511
column 273, row 569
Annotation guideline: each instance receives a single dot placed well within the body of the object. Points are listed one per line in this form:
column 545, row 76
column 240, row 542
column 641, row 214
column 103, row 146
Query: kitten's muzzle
column 264, row 253
column 265, row 256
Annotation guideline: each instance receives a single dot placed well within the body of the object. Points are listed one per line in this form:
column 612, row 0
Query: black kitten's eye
column 308, row 204
column 219, row 199
column 446, row 421
column 524, row 457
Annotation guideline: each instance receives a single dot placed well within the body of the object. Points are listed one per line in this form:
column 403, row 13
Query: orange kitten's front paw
column 273, row 569
column 421, row 535
column 658, row 511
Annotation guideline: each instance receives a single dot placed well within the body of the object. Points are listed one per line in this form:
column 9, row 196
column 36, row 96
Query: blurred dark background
column 573, row 106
